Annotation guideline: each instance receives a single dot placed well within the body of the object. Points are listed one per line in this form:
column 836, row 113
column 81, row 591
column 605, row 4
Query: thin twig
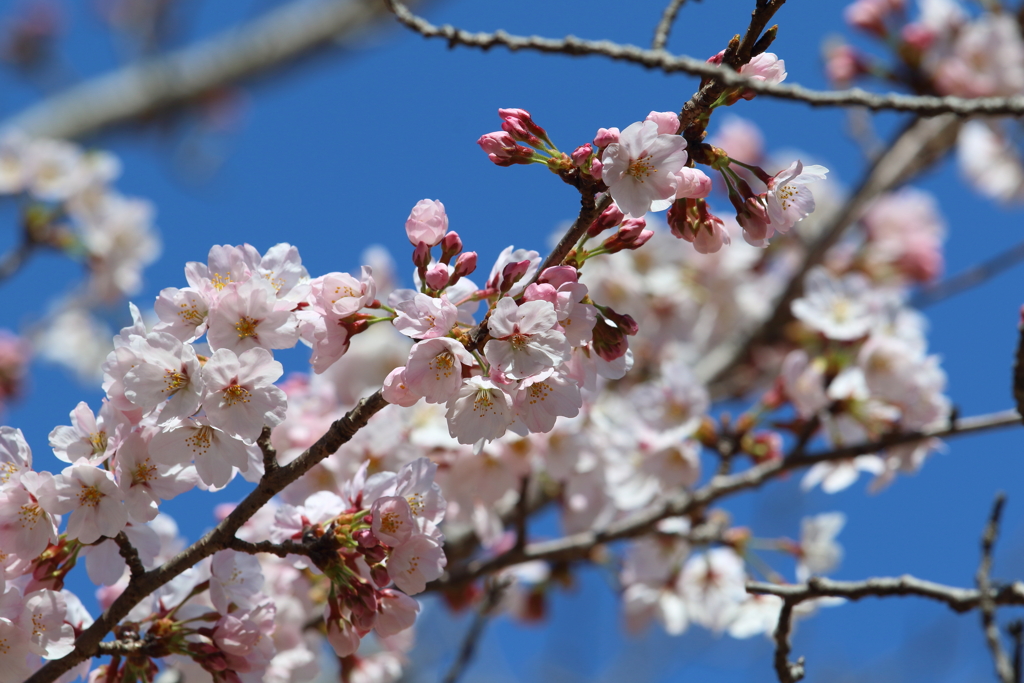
column 958, row 599
column 664, row 26
column 13, row 260
column 987, row 605
column 922, row 105
column 1015, row 629
column 522, row 512
column 268, row 450
column 476, row 630
column 972, row 277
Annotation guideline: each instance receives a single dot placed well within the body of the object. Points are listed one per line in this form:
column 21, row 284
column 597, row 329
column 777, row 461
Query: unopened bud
column 437, row 276
column 623, row 321
column 451, row 245
column 520, row 121
column 605, row 137
column 609, row 218
column 421, row 255
column 465, row 264
column 503, row 150
column 609, row 341
column 581, row 154
column 513, row 273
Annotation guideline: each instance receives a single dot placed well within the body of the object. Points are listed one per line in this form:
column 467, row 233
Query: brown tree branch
column 968, row 279
column 922, row 105
column 581, row 545
column 957, row 599
column 787, row 671
column 986, row 603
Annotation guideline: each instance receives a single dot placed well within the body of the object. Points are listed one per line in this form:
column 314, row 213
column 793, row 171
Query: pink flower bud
column 437, row 276
column 520, row 120
column 375, row 554
column 503, row 150
column 609, row 342
column 609, row 218
column 421, row 255
column 379, row 574
column 365, row 538
column 693, row 182
column 559, row 275
column 631, row 235
column 623, row 321
column 512, row 273
column 668, row 122
column 465, row 264
column 581, row 154
column 597, row 169
column 918, row 36
column 427, row 222
column 605, row 137
column 451, row 245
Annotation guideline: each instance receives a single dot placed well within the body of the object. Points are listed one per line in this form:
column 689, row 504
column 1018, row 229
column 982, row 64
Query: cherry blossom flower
column 643, row 166
column 245, row 317
column 165, row 370
column 182, row 312
column 435, row 368
column 421, row 316
column 240, row 395
column 542, row 398
column 415, row 563
column 393, row 521
column 819, row 552
column 788, row 199
column 25, row 527
column 839, row 308
column 397, row 613
column 235, row 578
column 481, row 411
column 93, row 496
column 524, row 339
column 15, row 455
column 144, row 483
column 713, row 584
column 215, row 452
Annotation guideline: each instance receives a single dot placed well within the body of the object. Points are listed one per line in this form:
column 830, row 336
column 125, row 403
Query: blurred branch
column 912, row 150
column 476, row 630
column 581, row 545
column 922, row 105
column 972, row 277
column 986, row 603
column 664, row 26
column 15, row 259
column 957, row 599
column 278, row 37
column 787, row 671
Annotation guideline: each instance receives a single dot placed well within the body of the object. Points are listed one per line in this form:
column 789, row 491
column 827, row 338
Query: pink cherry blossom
column 246, row 317
column 89, row 435
column 182, row 312
column 396, row 389
column 542, row 398
column 788, row 199
column 25, row 527
column 435, row 368
column 93, row 497
column 215, row 452
column 643, row 166
column 421, row 316
column 481, row 411
column 144, row 482
column 15, row 455
column 165, row 370
column 240, row 394
column 393, row 521
column 524, row 339
column 397, row 613
column 235, row 578
column 415, row 563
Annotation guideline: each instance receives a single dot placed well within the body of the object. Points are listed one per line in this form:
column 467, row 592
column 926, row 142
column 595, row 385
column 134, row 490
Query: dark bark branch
column 922, row 105
column 986, row 603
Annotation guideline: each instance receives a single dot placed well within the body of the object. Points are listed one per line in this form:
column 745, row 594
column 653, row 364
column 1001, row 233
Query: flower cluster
column 946, row 51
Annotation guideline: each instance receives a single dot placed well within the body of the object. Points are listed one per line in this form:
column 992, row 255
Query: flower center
column 174, row 381
column 246, row 327
column 235, row 394
column 90, row 496
column 641, row 168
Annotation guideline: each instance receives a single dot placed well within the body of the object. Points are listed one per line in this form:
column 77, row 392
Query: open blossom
column 25, row 527
column 542, row 398
column 342, row 294
column 524, row 339
column 94, row 499
column 182, row 312
column 840, row 308
column 246, row 317
column 215, row 453
column 421, row 316
column 15, row 455
column 144, row 482
column 643, row 166
column 241, row 397
column 435, row 368
column 788, row 199
column 481, row 411
column 89, row 435
column 165, row 370
column 819, row 552
column 415, row 563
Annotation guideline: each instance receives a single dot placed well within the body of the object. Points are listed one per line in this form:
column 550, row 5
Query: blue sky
column 331, row 156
